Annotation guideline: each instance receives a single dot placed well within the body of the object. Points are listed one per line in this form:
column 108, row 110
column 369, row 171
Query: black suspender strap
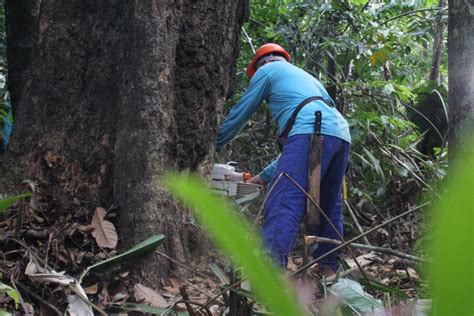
column 289, row 125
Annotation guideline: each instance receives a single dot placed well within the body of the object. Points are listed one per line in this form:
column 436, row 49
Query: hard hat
column 266, row 49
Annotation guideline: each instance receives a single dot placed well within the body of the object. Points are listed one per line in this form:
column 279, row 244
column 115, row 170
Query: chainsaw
column 225, row 180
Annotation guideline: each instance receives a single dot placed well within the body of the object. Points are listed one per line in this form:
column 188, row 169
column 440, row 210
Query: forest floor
column 36, row 244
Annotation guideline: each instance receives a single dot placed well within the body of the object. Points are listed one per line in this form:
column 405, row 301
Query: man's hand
column 257, row 180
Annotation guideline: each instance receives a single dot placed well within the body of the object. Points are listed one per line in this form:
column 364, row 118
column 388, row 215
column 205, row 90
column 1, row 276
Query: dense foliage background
column 376, row 60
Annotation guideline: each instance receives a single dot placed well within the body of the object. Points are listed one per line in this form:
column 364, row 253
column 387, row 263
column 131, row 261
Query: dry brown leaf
column 171, row 289
column 92, row 289
column 104, row 231
column 176, row 283
column 85, row 228
column 119, row 297
column 125, row 274
column 148, row 296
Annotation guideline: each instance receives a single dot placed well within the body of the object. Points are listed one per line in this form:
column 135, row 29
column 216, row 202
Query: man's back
column 287, row 86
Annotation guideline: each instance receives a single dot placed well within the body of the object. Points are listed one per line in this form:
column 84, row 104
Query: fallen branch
column 182, row 265
column 189, row 308
column 387, row 251
column 310, row 264
column 236, row 284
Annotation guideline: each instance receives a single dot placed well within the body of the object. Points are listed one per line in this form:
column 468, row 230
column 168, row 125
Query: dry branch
column 306, row 266
column 387, row 251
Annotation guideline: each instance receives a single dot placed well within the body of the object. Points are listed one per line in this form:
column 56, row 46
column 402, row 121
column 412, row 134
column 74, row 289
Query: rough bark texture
column 461, row 75
column 119, row 93
column 21, row 22
column 437, row 46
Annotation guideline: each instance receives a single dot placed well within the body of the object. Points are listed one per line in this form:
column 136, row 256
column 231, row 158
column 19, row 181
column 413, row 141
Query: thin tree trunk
column 437, row 47
column 461, row 77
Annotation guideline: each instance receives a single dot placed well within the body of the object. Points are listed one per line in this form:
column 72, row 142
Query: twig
column 356, row 221
column 70, row 286
column 332, row 226
column 410, row 279
column 192, row 285
column 47, row 251
column 412, row 12
column 387, row 251
column 19, row 219
column 260, row 211
column 31, row 252
column 40, row 299
column 249, row 40
column 236, row 284
column 306, row 266
column 22, row 302
column 190, row 309
column 184, row 266
column 194, row 303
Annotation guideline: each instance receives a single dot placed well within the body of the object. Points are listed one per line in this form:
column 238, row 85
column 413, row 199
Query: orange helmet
column 265, row 50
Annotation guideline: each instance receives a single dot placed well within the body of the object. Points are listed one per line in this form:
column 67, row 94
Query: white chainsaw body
column 226, row 181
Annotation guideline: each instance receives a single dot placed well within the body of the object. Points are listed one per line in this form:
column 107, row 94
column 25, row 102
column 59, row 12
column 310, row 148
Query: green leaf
column 352, row 294
column 11, row 292
column 385, row 288
column 132, row 307
column 139, row 249
column 236, row 239
column 4, row 313
column 219, row 273
column 380, row 56
column 453, row 258
column 5, row 203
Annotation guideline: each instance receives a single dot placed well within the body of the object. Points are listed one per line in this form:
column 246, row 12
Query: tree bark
column 121, row 92
column 21, row 22
column 461, row 76
column 437, row 46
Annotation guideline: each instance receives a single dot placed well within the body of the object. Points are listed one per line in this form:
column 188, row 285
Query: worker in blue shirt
column 285, row 86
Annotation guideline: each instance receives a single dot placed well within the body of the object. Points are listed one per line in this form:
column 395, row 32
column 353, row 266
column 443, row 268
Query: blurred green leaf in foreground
column 453, row 267
column 232, row 235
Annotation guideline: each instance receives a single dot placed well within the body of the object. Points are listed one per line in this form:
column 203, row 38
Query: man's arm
column 266, row 175
column 241, row 112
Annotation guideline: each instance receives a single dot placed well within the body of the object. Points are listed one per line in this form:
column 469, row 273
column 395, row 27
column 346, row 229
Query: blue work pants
column 285, row 206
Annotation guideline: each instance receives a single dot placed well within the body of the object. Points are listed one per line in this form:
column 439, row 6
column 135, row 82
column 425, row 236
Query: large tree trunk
column 21, row 21
column 461, row 76
column 120, row 93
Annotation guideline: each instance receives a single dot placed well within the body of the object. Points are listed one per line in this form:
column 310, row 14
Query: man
column 284, row 87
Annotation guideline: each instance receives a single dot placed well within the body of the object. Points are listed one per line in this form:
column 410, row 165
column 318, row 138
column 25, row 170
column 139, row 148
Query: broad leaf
column 11, row 292
column 352, row 294
column 219, row 273
column 134, row 252
column 104, row 231
column 5, row 203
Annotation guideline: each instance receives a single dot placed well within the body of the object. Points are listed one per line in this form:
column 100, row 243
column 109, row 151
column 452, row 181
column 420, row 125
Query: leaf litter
column 76, row 244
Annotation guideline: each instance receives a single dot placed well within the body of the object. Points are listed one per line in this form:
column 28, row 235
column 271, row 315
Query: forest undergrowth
column 373, row 59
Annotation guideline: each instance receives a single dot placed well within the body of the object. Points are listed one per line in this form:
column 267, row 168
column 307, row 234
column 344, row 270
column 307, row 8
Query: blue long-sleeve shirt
column 284, row 86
